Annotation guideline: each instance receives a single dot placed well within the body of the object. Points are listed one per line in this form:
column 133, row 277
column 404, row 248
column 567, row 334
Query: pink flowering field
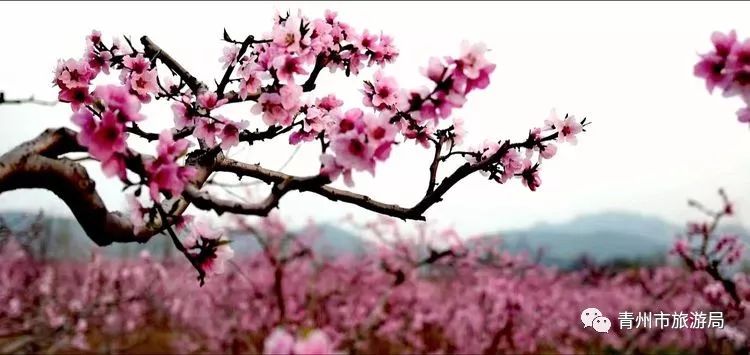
column 417, row 287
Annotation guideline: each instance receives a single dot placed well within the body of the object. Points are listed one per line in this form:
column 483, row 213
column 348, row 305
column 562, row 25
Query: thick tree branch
column 320, row 63
column 36, row 164
column 154, row 52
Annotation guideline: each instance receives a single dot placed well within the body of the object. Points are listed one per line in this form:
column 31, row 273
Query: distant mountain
column 603, row 237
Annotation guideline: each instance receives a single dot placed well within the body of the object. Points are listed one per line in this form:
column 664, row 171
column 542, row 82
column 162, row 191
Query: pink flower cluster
column 103, row 127
column 513, row 164
column 358, row 141
column 727, row 67
column 163, row 173
column 296, row 42
column 140, row 76
column 414, row 114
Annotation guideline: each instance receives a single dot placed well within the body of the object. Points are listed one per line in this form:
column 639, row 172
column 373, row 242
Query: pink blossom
column 279, row 342
column 119, row 100
column 472, row 59
column 169, row 148
column 353, row 151
column 315, row 343
column 530, row 175
column 286, row 66
column 441, row 105
column 137, row 213
column 547, row 151
column 72, row 74
column 136, row 64
column 352, row 119
column 144, row 84
column 421, row 134
column 230, row 56
column 713, row 65
column 94, row 38
column 273, row 111
column 210, row 249
column 77, row 97
column 85, row 119
column 290, row 97
column 288, row 36
column 382, row 93
column 98, row 61
column 738, row 66
column 230, row 133
column 183, row 115
column 380, row 135
column 512, row 164
column 207, row 129
column 459, row 131
column 321, row 38
column 386, row 51
column 566, row 128
column 210, row 100
column 329, row 102
column 164, row 175
column 115, row 166
column 250, row 82
column 107, row 138
column 435, row 69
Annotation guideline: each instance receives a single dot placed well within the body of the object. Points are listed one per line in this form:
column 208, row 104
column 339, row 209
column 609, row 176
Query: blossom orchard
column 418, row 290
column 277, row 74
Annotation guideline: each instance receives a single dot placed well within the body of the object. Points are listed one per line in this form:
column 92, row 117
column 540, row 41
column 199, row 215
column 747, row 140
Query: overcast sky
column 657, row 136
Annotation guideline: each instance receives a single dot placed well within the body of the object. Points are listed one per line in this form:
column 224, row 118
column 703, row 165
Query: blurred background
column 657, row 137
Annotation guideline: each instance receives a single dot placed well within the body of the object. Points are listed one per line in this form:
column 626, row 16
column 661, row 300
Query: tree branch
column 33, row 164
column 434, row 165
column 36, row 164
column 154, row 52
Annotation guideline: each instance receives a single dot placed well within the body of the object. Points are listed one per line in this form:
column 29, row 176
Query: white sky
column 657, row 136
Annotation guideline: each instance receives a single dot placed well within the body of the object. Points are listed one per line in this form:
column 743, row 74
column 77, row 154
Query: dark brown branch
column 320, row 63
column 177, row 134
column 204, row 200
column 270, row 133
column 270, row 176
column 416, row 212
column 434, row 165
column 36, row 164
column 154, row 52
